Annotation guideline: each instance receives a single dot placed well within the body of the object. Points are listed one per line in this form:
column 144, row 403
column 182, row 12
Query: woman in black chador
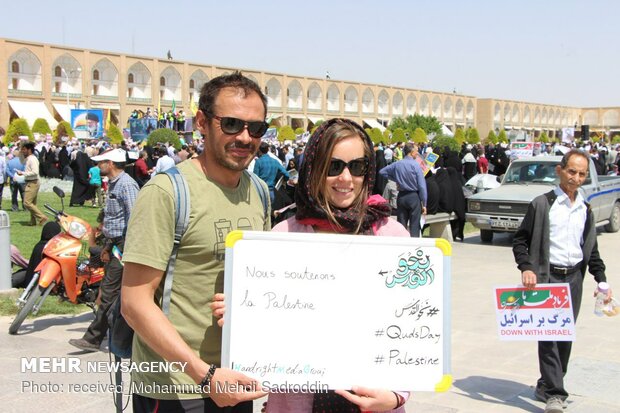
column 82, row 191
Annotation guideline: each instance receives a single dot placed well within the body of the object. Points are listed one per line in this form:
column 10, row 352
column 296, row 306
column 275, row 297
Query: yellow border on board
column 233, row 237
column 445, row 383
column 444, row 246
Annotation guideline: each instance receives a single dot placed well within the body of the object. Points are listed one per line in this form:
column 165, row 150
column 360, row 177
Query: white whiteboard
column 338, row 310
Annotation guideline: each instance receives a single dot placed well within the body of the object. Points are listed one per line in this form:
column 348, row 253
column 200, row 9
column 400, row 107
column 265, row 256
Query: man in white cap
column 122, row 194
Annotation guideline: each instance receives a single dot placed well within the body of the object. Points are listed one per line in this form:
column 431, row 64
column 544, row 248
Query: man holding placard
column 231, row 118
column 556, row 243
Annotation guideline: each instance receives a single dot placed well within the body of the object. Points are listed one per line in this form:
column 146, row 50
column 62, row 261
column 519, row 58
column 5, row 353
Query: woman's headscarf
column 309, row 212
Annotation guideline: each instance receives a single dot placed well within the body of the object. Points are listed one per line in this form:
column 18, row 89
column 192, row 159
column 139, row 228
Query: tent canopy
column 374, row 124
column 64, row 111
column 31, row 111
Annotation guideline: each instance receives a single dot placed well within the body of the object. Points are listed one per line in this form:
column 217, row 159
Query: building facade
column 44, row 80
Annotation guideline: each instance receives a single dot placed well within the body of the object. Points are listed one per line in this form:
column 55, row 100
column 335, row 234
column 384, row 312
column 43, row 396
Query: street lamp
column 78, row 70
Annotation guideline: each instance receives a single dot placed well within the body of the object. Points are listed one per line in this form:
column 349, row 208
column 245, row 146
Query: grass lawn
column 25, row 237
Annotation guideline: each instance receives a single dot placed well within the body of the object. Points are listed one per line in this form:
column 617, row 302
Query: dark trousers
column 143, row 404
column 409, row 211
column 110, row 289
column 553, row 356
column 15, row 189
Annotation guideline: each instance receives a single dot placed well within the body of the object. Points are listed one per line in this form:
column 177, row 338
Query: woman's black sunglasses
column 356, row 167
column 232, row 126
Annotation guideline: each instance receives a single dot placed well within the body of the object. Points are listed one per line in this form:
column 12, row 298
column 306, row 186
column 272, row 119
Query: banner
column 141, row 128
column 542, row 314
column 87, row 123
column 568, row 135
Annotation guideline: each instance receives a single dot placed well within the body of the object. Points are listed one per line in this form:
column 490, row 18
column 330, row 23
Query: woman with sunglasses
column 333, row 195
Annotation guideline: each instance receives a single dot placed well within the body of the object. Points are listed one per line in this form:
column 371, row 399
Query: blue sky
column 550, row 51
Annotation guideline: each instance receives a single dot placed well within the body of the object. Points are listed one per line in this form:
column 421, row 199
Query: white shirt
column 566, row 224
column 163, row 164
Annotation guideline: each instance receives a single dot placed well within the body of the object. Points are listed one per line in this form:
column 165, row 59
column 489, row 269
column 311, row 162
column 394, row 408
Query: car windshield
column 524, row 173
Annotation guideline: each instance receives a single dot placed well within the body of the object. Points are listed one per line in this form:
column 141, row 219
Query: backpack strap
column 262, row 192
column 181, row 219
column 182, row 209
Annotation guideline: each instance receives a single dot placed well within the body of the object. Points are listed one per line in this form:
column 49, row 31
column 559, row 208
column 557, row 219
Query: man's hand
column 423, row 210
column 218, row 308
column 229, row 388
column 528, row 278
column 608, row 297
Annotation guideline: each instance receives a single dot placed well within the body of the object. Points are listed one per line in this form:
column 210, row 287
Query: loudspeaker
column 585, row 132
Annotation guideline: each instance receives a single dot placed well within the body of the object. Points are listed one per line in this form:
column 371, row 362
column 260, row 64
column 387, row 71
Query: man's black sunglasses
column 357, row 167
column 232, row 126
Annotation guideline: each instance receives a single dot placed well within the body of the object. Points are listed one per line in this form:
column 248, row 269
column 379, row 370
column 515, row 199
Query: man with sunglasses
column 231, row 118
column 412, row 194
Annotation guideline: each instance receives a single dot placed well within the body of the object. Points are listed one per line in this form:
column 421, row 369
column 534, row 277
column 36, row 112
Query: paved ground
column 490, row 375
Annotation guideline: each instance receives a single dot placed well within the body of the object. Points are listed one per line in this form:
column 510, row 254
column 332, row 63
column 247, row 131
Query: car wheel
column 486, row 235
column 614, row 219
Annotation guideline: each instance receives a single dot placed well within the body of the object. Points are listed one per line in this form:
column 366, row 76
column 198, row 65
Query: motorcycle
column 66, row 269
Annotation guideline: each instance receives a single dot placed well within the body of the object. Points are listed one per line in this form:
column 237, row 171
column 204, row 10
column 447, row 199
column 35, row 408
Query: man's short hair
column 570, row 154
column 408, row 148
column 236, row 80
column 28, row 145
column 264, row 147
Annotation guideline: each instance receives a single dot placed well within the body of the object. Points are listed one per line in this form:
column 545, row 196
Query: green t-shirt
column 199, row 273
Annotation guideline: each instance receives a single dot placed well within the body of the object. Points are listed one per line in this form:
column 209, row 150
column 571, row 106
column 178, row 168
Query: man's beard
column 234, row 165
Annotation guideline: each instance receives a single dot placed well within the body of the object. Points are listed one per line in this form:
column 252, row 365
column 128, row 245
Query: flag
column 108, row 120
column 174, row 106
column 192, row 105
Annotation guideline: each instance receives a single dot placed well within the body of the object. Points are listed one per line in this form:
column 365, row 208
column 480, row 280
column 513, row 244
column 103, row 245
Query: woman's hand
column 371, row 399
column 218, row 308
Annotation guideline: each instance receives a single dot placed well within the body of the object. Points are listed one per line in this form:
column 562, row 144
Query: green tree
column 544, row 138
column 299, row 131
column 459, row 137
column 502, row 137
column 286, row 133
column 428, row 124
column 398, row 122
column 63, row 129
column 19, row 127
column 164, row 135
column 473, row 137
column 41, row 127
column 399, row 135
column 440, row 142
column 419, row 136
column 387, row 136
column 115, row 134
column 491, row 137
column 375, row 135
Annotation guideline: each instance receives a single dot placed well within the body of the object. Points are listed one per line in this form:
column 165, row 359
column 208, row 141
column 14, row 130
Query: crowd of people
column 171, row 119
